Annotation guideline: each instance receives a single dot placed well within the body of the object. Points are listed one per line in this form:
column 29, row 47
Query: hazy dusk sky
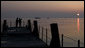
column 41, row 8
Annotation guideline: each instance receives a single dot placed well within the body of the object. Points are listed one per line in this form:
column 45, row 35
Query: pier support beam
column 55, row 41
column 35, row 30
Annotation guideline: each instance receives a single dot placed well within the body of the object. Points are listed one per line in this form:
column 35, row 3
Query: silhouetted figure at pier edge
column 20, row 22
column 16, row 22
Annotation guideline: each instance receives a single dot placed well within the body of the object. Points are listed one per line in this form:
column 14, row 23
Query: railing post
column 62, row 39
column 42, row 33
column 46, row 36
column 78, row 43
column 55, row 41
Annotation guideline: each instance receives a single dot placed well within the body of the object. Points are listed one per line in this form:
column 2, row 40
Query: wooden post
column 62, row 39
column 55, row 41
column 78, row 43
column 35, row 30
column 46, row 36
column 42, row 33
column 29, row 25
column 5, row 26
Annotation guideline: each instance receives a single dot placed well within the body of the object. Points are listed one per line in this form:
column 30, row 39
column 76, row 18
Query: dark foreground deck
column 20, row 37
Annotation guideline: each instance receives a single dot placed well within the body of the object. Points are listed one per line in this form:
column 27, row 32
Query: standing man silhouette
column 20, row 22
column 16, row 22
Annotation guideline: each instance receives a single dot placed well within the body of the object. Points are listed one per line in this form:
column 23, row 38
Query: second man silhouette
column 18, row 22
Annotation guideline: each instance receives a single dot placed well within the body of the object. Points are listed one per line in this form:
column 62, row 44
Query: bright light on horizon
column 78, row 14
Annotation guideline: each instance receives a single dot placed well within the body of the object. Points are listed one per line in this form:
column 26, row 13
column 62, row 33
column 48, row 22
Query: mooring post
column 29, row 25
column 42, row 33
column 35, row 30
column 62, row 40
column 78, row 43
column 5, row 26
column 46, row 36
column 55, row 41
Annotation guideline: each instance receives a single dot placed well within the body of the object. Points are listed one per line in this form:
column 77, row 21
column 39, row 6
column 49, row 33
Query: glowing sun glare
column 78, row 14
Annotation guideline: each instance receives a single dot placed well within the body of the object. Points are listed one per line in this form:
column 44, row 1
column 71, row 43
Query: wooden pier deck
column 21, row 37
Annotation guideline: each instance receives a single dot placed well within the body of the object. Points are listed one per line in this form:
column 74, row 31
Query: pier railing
column 62, row 40
column 62, row 37
column 44, row 35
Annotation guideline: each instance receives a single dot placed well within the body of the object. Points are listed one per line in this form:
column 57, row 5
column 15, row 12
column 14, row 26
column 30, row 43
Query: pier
column 26, row 37
column 20, row 37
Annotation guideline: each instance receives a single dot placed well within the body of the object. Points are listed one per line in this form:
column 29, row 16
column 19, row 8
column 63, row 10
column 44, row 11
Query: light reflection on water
column 78, row 24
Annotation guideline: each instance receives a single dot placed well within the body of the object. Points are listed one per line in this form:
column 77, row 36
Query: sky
column 59, row 9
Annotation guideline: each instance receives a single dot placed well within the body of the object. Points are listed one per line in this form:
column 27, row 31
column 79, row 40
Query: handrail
column 44, row 35
column 49, row 38
column 72, row 39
